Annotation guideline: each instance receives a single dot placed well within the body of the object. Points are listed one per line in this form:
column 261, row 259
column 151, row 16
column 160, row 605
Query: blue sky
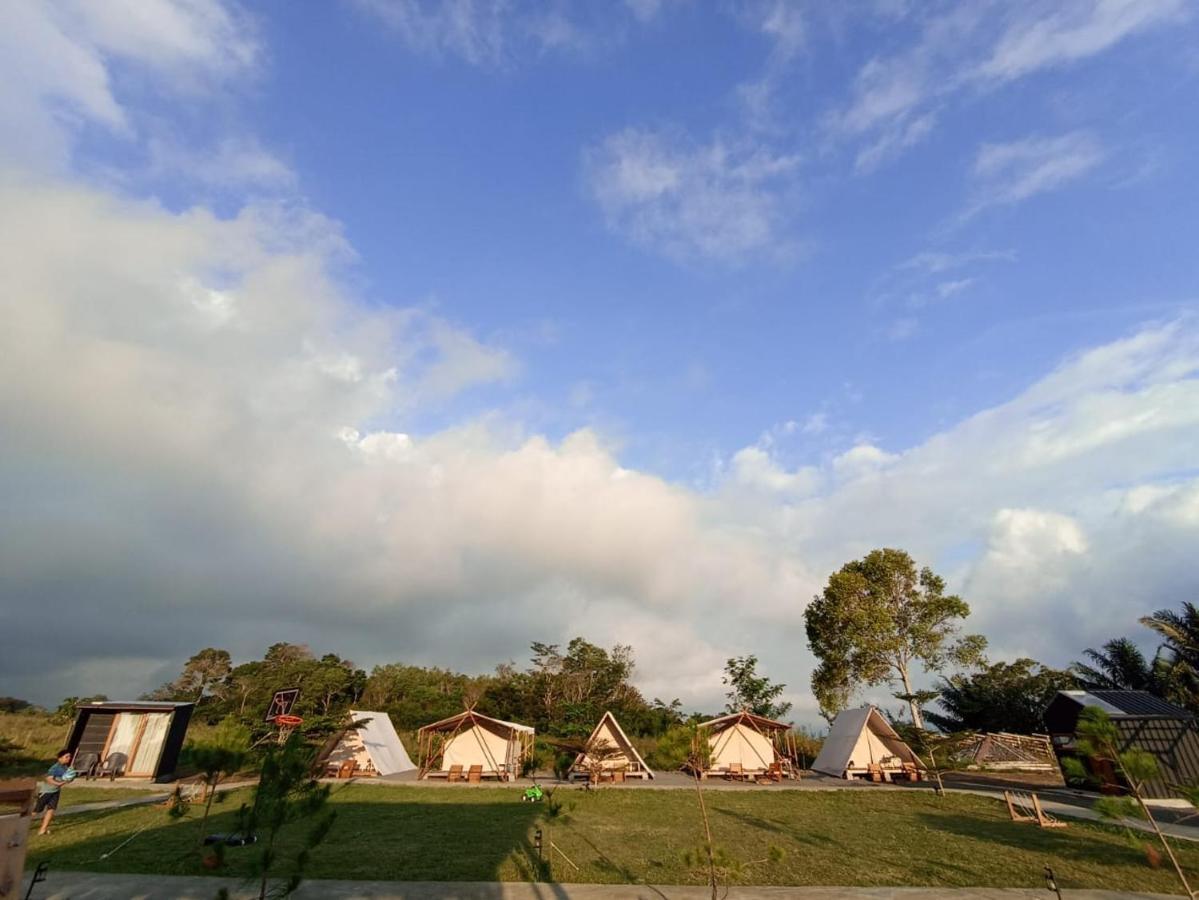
column 804, row 280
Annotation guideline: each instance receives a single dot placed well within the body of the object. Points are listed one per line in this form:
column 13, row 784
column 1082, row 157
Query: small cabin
column 136, row 739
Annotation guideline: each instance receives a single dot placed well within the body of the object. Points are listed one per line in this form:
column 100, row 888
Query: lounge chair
column 113, row 766
column 346, row 769
column 735, row 772
column 875, row 771
column 775, row 772
column 475, row 774
column 86, row 763
column 455, row 773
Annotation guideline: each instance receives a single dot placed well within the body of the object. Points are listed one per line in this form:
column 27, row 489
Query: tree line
column 879, row 621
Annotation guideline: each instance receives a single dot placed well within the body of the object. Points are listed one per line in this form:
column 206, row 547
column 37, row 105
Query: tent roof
column 382, row 743
column 627, row 747
column 761, row 722
column 454, row 721
column 838, row 747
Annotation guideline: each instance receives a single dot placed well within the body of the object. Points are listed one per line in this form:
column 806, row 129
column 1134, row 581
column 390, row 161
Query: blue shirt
column 57, row 771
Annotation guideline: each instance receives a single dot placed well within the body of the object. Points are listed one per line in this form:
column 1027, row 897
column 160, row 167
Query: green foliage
column 66, row 709
column 1001, row 697
column 1177, row 664
column 751, row 691
column 669, row 752
column 877, row 617
column 1118, row 666
column 286, row 793
column 14, row 705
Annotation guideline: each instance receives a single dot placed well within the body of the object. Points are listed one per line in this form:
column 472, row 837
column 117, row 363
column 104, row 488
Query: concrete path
column 85, row 886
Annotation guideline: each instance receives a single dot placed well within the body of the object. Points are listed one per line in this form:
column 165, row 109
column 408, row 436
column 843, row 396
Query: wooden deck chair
column 455, row 773
column 346, row 769
column 911, row 771
column 875, row 771
column 735, row 772
column 475, row 774
column 775, row 772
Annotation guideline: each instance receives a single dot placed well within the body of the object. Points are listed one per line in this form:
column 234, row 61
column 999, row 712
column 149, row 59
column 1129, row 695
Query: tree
column 1178, row 658
column 751, row 691
column 218, row 756
column 14, row 705
column 876, row 619
column 204, row 669
column 1118, row 666
column 1001, row 697
column 66, row 709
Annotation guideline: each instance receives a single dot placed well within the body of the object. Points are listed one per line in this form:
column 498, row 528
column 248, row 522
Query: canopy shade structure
column 471, row 740
column 609, row 750
column 135, row 739
column 862, row 742
column 748, row 743
column 374, row 746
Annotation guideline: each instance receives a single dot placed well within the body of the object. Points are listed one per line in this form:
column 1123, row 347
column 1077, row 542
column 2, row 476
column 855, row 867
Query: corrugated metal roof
column 144, row 705
column 1141, row 703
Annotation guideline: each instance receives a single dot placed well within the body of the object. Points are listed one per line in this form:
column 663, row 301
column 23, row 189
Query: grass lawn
column 764, row 837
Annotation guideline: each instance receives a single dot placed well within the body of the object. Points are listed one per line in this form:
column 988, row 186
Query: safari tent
column 373, row 748
column 609, row 752
column 138, row 739
column 862, row 743
column 470, row 746
column 745, row 744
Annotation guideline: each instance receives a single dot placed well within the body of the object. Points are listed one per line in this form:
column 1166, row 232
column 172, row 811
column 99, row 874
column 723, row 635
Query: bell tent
column 862, row 743
column 373, row 747
column 472, row 745
column 609, row 750
column 747, row 744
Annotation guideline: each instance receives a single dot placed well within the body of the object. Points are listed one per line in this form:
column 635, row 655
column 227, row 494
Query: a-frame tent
column 751, row 743
column 861, row 742
column 610, row 750
column 472, row 740
column 374, row 746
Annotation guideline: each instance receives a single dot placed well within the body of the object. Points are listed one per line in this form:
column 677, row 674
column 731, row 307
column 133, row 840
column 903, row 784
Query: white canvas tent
column 613, row 750
column 860, row 739
column 471, row 739
column 374, row 746
column 748, row 741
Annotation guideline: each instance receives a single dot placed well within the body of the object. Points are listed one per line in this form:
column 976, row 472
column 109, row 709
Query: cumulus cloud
column 686, row 200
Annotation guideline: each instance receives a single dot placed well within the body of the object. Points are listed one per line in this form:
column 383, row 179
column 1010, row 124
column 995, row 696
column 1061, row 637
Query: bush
column 670, row 751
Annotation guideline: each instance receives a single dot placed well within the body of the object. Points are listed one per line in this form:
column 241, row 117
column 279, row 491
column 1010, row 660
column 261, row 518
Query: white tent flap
column 379, row 738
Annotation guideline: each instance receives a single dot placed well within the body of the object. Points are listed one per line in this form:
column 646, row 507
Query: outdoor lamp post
column 1051, row 882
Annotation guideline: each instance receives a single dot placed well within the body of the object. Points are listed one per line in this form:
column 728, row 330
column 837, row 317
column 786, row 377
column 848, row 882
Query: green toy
column 533, row 794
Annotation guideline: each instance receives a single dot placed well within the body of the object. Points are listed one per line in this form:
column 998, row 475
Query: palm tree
column 1178, row 657
column 1118, row 666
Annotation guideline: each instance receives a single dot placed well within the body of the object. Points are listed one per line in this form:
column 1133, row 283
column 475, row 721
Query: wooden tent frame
column 432, row 740
column 637, row 768
column 777, row 733
column 1029, row 811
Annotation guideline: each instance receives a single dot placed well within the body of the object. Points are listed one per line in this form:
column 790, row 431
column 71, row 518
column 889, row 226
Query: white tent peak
column 608, row 732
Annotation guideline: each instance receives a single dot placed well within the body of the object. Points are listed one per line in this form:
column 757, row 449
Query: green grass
column 615, row 836
column 36, row 737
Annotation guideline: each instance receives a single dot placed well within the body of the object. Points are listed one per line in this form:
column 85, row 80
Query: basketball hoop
column 286, row 724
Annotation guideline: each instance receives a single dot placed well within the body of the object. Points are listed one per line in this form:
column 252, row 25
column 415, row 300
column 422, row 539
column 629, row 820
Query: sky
column 420, row 331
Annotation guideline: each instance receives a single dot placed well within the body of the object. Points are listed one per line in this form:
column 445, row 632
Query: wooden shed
column 1145, row 722
column 134, row 739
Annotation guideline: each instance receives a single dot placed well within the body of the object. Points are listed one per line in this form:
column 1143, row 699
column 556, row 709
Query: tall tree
column 208, row 667
column 1118, row 666
column 751, row 691
column 877, row 619
column 1002, row 697
column 1178, row 659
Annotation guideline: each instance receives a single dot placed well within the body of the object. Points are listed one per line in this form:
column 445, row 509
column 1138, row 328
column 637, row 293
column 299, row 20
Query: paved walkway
column 84, row 886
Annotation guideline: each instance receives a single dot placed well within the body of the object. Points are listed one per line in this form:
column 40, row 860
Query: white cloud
column 971, row 48
column 1070, row 32
column 714, row 201
column 1012, row 172
column 184, row 48
column 755, row 468
column 234, row 162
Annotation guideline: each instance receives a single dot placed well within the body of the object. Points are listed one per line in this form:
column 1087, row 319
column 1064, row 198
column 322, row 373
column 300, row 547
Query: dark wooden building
column 1145, row 722
column 137, row 739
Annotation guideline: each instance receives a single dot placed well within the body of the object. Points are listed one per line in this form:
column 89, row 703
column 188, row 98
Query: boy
column 49, row 787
